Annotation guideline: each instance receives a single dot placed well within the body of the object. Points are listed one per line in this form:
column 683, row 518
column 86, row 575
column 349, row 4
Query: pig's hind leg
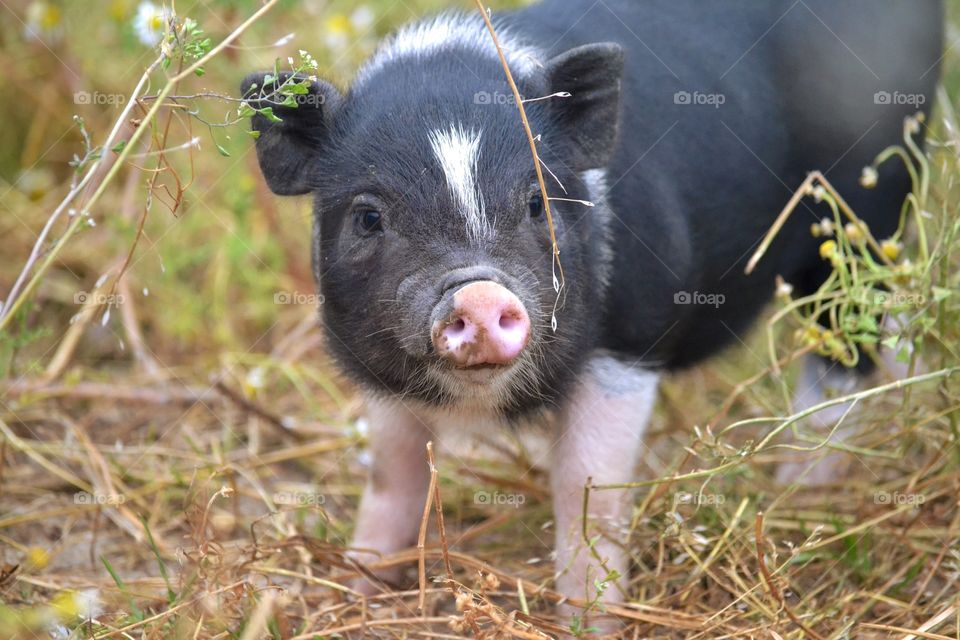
column 822, row 380
column 392, row 503
column 600, row 436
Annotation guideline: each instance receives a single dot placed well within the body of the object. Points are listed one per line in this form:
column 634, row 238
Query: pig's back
column 722, row 116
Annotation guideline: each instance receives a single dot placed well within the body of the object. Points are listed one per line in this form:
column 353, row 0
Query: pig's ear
column 290, row 137
column 591, row 74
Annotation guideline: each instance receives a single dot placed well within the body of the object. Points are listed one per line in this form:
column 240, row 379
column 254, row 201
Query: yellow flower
column 44, row 21
column 37, row 558
column 828, row 249
column 69, row 605
column 338, row 23
column 890, row 249
column 337, row 31
column 66, row 605
column 119, row 9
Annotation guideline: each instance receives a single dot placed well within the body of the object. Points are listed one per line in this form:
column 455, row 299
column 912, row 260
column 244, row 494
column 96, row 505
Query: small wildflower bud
column 903, row 272
column 812, row 335
column 854, row 233
column 463, row 601
column 491, row 582
column 890, row 248
column 834, row 346
column 815, row 230
column 913, row 125
column 868, row 178
column 818, row 193
column 784, row 289
column 828, row 249
column 37, row 558
column 457, row 624
column 826, row 227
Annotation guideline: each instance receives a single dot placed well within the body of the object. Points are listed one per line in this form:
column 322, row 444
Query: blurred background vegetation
column 217, row 322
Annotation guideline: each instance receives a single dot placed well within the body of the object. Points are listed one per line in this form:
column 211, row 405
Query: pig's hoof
column 380, row 582
column 377, row 581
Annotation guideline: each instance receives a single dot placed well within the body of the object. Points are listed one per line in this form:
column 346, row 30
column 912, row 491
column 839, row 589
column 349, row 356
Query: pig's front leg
column 600, row 437
column 392, row 503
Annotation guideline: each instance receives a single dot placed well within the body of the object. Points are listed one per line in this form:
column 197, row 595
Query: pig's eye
column 367, row 220
column 536, row 205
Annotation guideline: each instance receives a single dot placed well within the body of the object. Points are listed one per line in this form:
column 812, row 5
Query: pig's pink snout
column 488, row 325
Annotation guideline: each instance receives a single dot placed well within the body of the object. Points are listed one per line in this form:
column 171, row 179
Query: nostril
column 459, row 326
column 509, row 322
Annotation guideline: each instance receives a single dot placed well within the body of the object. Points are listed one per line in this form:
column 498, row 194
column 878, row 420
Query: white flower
column 255, row 378
column 362, row 18
column 149, row 23
column 44, row 22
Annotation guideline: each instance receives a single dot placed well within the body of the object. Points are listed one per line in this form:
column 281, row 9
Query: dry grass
column 201, row 481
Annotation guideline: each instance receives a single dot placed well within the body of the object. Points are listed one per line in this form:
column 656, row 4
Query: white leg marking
column 603, row 427
column 393, row 500
column 458, row 152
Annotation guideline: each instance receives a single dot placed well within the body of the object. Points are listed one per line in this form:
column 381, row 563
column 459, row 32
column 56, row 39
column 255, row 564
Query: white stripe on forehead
column 467, row 30
column 458, row 152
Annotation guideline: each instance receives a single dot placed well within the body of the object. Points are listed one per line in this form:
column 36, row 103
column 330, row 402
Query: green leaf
column 868, row 324
column 137, row 613
column 171, row 594
column 939, row 293
column 267, row 112
column 120, row 146
column 199, row 71
column 253, row 133
column 297, row 89
column 223, row 152
column 890, row 342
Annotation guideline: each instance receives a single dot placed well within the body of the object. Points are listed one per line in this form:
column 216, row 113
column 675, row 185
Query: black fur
column 692, row 187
